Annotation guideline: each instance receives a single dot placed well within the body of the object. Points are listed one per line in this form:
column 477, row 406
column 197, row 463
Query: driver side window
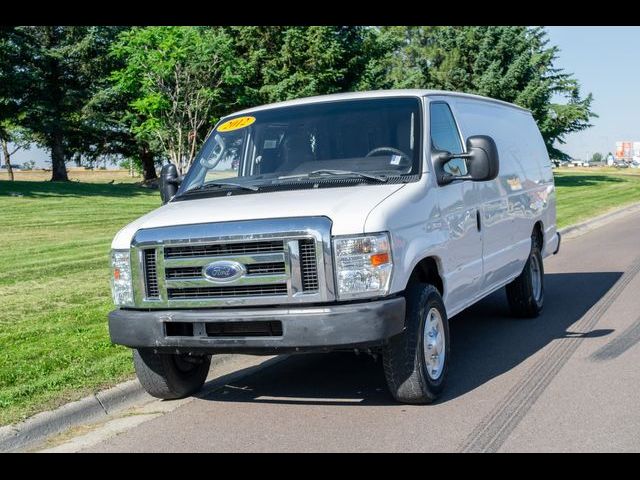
column 445, row 136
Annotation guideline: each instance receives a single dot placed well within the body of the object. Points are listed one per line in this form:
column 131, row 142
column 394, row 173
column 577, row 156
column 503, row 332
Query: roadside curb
column 595, row 222
column 92, row 408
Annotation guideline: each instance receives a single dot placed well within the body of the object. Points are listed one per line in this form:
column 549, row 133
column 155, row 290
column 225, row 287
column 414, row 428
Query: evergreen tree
column 515, row 64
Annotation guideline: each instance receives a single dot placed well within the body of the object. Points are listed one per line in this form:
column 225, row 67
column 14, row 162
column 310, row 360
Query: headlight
column 363, row 265
column 121, row 287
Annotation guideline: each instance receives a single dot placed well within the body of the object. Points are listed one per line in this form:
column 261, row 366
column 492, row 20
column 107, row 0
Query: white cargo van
column 361, row 221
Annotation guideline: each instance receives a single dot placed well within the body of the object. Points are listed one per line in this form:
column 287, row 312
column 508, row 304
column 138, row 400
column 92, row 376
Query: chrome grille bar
column 226, row 292
column 244, row 259
column 239, row 248
column 246, row 280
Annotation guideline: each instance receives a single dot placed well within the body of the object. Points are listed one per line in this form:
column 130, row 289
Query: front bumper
column 303, row 328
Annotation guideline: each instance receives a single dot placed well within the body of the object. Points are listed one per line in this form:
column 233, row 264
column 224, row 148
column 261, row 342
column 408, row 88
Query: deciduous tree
column 178, row 79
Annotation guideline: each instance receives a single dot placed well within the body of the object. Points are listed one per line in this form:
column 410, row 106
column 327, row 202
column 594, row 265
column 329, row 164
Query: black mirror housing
column 483, row 163
column 169, row 182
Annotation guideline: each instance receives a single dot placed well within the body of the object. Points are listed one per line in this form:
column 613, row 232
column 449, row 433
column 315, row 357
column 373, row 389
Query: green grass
column 54, row 287
column 584, row 194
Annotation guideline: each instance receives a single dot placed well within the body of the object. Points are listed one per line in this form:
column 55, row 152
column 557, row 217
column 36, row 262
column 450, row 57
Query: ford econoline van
column 360, row 221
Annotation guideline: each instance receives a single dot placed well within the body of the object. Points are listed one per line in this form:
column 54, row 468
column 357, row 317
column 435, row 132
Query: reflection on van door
column 459, row 202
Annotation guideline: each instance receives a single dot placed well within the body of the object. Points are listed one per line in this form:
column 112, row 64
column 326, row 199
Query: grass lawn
column 585, row 193
column 55, row 238
column 54, row 286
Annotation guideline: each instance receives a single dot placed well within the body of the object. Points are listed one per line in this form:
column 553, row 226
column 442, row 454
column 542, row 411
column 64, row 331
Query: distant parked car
column 621, row 164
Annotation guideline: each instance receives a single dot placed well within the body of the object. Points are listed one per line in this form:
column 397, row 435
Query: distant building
column 627, row 151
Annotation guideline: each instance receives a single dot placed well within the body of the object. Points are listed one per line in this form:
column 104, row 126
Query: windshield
column 371, row 140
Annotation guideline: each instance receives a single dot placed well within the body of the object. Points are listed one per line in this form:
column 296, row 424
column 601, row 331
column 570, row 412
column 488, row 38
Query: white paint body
column 423, row 219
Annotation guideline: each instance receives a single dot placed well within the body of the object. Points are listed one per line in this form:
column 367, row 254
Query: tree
column 299, row 61
column 10, row 77
column 178, row 79
column 397, row 57
column 111, row 115
column 596, row 158
column 60, row 67
column 514, row 64
column 18, row 137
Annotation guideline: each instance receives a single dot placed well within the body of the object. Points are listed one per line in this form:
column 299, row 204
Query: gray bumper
column 303, row 328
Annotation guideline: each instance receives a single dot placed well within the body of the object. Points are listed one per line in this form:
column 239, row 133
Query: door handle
column 478, row 220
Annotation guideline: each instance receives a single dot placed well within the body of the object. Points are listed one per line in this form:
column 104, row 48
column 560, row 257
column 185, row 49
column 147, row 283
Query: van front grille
column 151, row 274
column 308, row 264
column 248, row 263
column 252, row 269
column 240, row 248
column 183, row 272
column 266, row 268
column 227, row 292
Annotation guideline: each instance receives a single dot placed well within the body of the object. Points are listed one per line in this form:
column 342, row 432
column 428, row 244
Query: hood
column 347, row 207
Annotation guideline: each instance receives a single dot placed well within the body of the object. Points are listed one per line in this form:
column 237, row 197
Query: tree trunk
column 148, row 166
column 58, row 168
column 7, row 158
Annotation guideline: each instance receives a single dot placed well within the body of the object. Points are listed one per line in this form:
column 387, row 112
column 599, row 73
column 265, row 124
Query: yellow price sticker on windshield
column 236, row 124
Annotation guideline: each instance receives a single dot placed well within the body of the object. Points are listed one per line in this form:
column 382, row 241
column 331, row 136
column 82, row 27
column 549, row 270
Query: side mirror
column 484, row 163
column 169, row 182
column 481, row 158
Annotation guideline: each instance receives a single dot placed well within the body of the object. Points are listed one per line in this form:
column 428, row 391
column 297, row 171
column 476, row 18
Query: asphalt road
column 566, row 381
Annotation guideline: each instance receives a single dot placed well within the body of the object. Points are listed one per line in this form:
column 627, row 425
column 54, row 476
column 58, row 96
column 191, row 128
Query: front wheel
column 416, row 361
column 170, row 376
column 525, row 294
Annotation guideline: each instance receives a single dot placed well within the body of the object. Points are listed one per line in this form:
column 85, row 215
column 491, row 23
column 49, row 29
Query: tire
column 404, row 361
column 169, row 376
column 525, row 294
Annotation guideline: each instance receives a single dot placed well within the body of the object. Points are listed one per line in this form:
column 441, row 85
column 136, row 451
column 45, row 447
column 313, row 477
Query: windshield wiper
column 206, row 186
column 328, row 171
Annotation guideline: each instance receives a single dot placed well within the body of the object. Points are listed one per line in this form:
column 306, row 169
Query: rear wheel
column 416, row 361
column 526, row 293
column 170, row 376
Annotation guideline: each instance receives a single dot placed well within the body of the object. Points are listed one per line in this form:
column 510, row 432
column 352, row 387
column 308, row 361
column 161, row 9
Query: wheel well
column 426, row 271
column 538, row 234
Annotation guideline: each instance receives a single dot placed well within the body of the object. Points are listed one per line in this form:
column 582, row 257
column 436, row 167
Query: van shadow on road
column 485, row 340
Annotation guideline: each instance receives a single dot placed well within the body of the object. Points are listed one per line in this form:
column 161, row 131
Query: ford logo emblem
column 223, row 271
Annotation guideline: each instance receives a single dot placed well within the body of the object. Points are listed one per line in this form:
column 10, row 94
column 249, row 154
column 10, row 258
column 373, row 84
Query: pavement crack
column 101, row 404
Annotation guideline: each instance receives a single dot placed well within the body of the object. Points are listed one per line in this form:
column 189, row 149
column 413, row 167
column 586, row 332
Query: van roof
column 376, row 94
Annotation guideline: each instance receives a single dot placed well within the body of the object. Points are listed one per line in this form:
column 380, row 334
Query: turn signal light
column 379, row 259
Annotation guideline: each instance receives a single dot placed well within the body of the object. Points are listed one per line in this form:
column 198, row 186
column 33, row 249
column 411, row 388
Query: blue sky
column 605, row 61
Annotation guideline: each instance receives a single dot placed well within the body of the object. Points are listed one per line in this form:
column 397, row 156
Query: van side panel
column 521, row 195
column 548, row 198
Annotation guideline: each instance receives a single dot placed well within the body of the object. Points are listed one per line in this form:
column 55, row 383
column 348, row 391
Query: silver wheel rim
column 434, row 344
column 536, row 278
